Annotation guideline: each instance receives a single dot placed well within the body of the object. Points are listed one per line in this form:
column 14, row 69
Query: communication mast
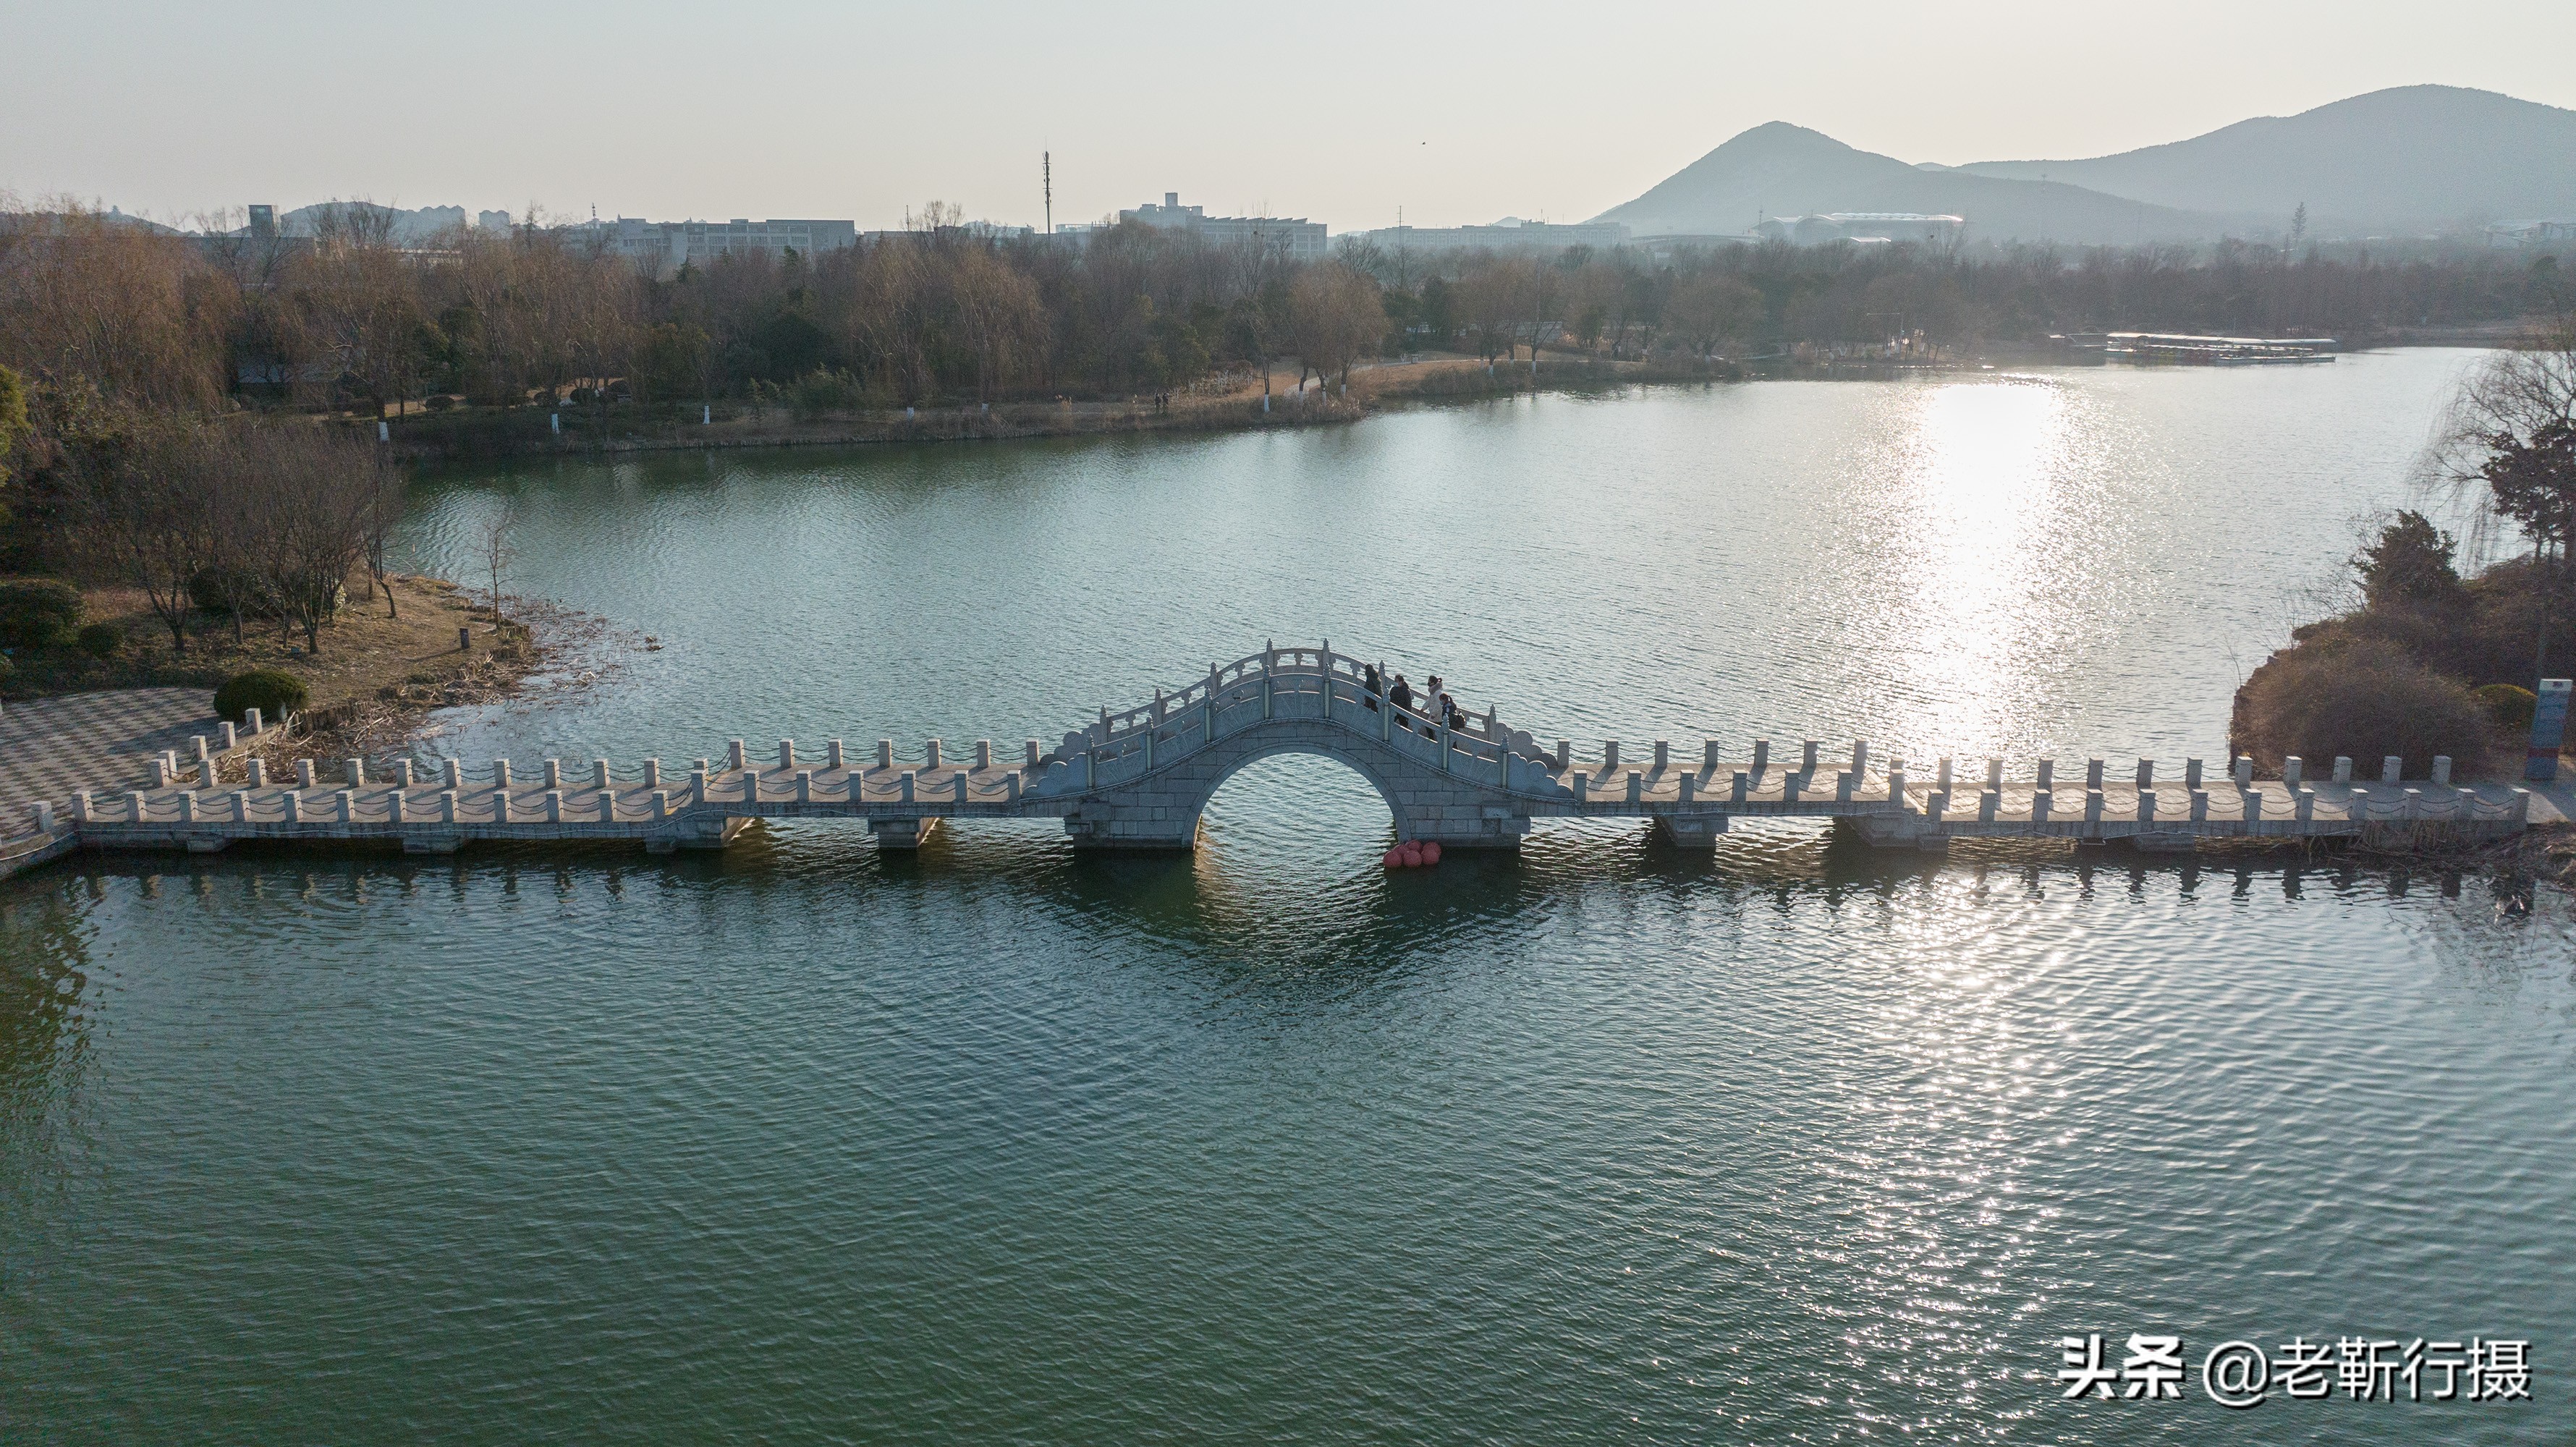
column 1046, row 170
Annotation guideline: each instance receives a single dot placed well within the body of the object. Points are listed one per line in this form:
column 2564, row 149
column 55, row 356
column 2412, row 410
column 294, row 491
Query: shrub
column 274, row 694
column 217, row 592
column 2361, row 699
column 38, row 612
column 2508, row 706
column 102, row 641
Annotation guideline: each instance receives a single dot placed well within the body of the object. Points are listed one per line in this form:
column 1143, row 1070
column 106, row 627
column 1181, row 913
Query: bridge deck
column 436, row 817
column 1139, row 779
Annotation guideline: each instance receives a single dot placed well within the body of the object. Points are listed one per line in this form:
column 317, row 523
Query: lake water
column 1794, row 1143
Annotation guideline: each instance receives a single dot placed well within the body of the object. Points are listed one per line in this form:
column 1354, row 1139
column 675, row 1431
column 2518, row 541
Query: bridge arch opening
column 1297, row 801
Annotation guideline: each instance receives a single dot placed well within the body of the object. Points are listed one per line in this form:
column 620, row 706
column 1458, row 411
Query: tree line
column 143, row 352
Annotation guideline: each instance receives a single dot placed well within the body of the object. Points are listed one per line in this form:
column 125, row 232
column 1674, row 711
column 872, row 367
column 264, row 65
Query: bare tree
column 2507, row 450
column 383, row 485
column 1335, row 317
column 1710, row 310
column 149, row 501
column 497, row 555
column 311, row 496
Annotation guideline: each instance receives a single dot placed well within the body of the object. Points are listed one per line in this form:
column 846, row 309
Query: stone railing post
column 1610, row 756
column 885, row 753
column 1807, row 761
column 1689, row 787
column 836, row 757
column 2441, row 768
column 554, row 773
column 931, row 751
column 652, row 773
column 1739, row 786
column 1761, row 756
column 2391, row 769
column 903, row 786
column 734, row 758
column 2291, row 768
column 1030, row 763
column 2343, row 769
column 2047, row 776
column 2040, row 803
column 2092, row 773
column 2199, row 806
column 1663, row 755
column 787, row 753
column 983, row 754
column 1564, row 755
column 2191, row 773
column 2146, row 773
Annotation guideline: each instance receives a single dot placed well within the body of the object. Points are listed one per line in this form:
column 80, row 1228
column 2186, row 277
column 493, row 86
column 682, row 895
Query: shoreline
column 491, row 434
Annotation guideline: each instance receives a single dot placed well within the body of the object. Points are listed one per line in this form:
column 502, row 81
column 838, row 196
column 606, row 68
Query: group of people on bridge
column 1437, row 706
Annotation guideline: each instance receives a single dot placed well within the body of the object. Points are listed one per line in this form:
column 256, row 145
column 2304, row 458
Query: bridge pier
column 696, row 831
column 1688, row 831
column 1897, row 831
column 904, row 833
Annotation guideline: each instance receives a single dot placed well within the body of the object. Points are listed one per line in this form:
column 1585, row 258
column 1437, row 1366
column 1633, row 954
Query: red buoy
column 1394, row 859
column 1431, row 852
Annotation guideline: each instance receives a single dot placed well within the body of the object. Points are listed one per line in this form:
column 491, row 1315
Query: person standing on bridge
column 1370, row 683
column 1400, row 694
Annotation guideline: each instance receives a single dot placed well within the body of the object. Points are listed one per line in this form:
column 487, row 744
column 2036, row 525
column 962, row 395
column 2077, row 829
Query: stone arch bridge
column 1140, row 779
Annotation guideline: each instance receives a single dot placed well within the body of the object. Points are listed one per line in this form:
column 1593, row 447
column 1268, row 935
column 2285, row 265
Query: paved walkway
column 50, row 747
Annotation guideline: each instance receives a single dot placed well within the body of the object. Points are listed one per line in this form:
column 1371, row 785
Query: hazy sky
column 1339, row 112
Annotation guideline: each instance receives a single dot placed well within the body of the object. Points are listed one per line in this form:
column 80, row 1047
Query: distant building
column 667, row 245
column 492, row 220
column 1509, row 234
column 1296, row 235
column 2518, row 235
column 1864, row 226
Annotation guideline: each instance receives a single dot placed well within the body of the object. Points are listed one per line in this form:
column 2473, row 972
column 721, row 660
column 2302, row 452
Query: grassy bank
column 373, row 680
column 625, row 426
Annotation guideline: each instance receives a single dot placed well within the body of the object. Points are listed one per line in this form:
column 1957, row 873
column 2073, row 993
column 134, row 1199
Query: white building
column 1509, row 234
column 1296, row 235
column 666, row 245
column 2516, row 235
column 1880, row 226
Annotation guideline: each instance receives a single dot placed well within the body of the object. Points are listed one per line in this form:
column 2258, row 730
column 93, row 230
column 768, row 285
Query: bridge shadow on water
column 1286, row 884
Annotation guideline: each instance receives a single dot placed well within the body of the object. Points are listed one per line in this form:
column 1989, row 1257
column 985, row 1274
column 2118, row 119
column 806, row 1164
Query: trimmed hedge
column 274, row 694
column 2509, row 705
column 102, row 641
column 2360, row 699
column 38, row 612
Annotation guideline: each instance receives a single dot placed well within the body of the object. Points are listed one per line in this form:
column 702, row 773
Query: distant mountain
column 1783, row 170
column 2415, row 158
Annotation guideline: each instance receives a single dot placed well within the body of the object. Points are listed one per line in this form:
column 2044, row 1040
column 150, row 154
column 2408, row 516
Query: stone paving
column 50, row 747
